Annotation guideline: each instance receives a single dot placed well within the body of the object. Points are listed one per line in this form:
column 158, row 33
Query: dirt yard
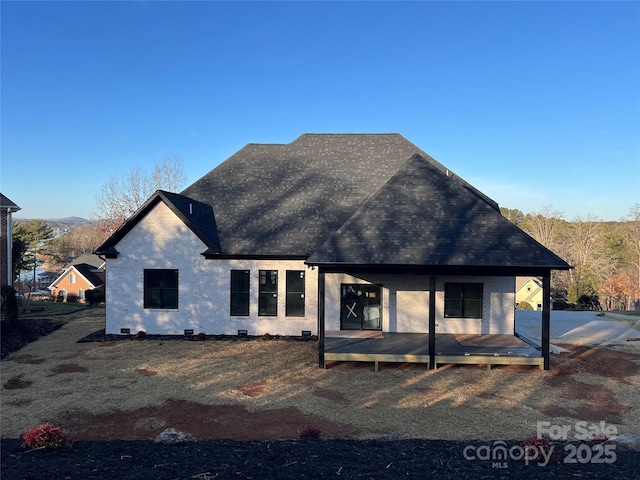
column 273, row 389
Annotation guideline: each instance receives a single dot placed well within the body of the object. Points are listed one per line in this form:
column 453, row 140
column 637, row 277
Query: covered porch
column 380, row 347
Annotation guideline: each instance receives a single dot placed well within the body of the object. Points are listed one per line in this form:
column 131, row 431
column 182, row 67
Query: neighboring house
column 46, row 278
column 86, row 273
column 7, row 207
column 339, row 235
column 529, row 289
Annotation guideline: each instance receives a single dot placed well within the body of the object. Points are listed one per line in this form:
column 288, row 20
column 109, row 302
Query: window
column 73, row 278
column 268, row 293
column 161, row 289
column 295, row 293
column 463, row 300
column 81, row 294
column 239, row 292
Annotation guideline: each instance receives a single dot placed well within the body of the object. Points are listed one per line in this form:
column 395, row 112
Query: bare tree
column 121, row 196
column 80, row 240
column 587, row 250
column 631, row 229
column 545, row 226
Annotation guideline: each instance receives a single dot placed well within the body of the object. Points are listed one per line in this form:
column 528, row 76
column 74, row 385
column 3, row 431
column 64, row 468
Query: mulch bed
column 101, row 336
column 17, row 334
column 349, row 459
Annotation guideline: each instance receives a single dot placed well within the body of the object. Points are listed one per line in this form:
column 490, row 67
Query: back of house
column 332, row 232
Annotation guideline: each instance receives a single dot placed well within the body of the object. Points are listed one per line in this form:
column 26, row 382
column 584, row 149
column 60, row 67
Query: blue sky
column 534, row 103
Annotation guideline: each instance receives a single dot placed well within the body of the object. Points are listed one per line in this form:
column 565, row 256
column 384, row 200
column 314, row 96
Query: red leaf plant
column 44, row 436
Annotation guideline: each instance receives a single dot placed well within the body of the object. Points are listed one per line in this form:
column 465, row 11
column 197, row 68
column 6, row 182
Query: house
column 46, row 278
column 85, row 273
column 529, row 290
column 7, row 207
column 350, row 237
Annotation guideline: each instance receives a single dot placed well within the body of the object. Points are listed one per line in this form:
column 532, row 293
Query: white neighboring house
column 529, row 289
column 330, row 232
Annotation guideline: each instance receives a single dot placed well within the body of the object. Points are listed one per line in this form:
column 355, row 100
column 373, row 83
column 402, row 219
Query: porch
column 379, row 347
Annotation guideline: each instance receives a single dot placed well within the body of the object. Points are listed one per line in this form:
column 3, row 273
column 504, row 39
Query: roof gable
column 421, row 218
column 199, row 217
column 88, row 272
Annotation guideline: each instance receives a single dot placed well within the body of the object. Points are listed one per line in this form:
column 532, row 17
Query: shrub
column 141, row 335
column 94, row 297
column 72, row 298
column 524, row 306
column 202, row 336
column 44, row 436
column 9, row 303
column 266, row 336
column 539, row 448
column 310, row 433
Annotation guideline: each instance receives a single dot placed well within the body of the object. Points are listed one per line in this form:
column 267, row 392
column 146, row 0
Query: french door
column 361, row 307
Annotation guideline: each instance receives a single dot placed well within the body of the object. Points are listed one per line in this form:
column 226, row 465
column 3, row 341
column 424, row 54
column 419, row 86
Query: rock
column 625, row 443
column 390, row 437
column 171, row 436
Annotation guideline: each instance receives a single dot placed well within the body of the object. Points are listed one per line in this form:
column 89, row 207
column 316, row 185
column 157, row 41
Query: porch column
column 320, row 317
column 432, row 321
column 546, row 318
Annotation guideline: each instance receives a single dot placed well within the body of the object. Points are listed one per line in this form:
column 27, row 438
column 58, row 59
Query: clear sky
column 534, row 103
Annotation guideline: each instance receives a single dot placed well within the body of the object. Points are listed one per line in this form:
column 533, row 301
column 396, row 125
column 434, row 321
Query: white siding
column 160, row 240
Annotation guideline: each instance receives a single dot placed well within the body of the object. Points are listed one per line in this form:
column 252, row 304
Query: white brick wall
column 498, row 314
column 406, row 303
column 161, row 240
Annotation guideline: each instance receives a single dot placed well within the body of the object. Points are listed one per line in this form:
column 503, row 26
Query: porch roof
column 421, row 218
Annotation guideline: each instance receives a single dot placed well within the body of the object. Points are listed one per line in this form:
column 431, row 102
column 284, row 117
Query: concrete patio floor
column 579, row 328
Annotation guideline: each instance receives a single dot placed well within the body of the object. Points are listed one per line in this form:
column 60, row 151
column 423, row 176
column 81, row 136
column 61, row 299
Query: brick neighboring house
column 85, row 273
column 7, row 207
column 339, row 235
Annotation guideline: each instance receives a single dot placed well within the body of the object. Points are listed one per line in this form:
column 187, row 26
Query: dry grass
column 60, row 376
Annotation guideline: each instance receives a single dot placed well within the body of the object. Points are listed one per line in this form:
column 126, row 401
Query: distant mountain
column 61, row 225
column 69, row 219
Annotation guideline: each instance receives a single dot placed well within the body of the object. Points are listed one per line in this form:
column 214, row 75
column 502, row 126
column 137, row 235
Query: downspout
column 432, row 322
column 546, row 318
column 9, row 249
column 321, row 319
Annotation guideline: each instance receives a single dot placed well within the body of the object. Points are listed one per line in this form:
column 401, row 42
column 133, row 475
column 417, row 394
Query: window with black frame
column 161, row 288
column 295, row 293
column 239, row 292
column 463, row 300
column 268, row 293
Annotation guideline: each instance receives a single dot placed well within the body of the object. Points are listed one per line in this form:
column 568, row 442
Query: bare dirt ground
column 273, row 389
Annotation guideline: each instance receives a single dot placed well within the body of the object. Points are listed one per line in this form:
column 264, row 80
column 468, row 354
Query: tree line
column 605, row 255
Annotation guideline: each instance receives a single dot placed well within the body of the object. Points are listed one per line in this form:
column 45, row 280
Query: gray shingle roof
column 88, row 272
column 373, row 199
column 5, row 203
column 288, row 199
column 420, row 217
